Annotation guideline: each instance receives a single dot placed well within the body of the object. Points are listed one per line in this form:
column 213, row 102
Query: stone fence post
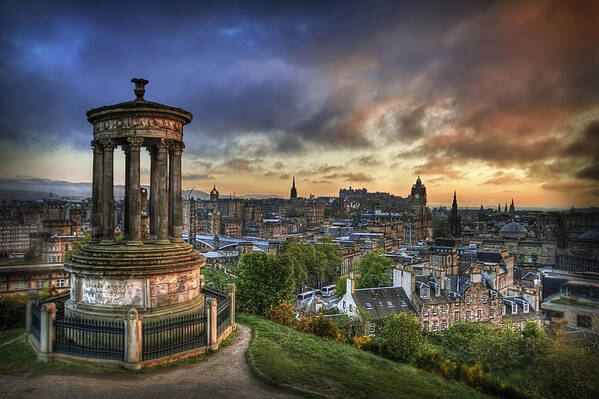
column 211, row 319
column 33, row 297
column 231, row 294
column 133, row 337
column 47, row 316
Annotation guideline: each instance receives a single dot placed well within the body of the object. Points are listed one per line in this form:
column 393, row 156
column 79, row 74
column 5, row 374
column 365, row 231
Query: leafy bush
column 283, row 313
column 403, row 335
column 320, row 326
column 12, row 311
column 358, row 342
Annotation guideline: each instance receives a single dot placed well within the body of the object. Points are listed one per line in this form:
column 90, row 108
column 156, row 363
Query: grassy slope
column 318, row 367
column 19, row 357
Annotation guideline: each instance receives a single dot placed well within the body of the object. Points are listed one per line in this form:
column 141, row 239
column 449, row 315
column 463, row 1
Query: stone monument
column 153, row 270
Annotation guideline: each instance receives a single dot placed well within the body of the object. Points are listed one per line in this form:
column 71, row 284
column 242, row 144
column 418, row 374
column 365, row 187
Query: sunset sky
column 497, row 100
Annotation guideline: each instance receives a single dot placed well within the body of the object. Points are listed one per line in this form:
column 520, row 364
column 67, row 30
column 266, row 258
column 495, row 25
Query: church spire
column 293, row 194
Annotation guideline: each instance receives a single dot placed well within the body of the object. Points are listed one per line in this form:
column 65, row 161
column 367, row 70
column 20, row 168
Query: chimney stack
column 351, row 283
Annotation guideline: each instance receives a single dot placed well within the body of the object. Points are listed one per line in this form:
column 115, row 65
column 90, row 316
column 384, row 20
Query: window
column 437, row 290
column 478, row 314
column 21, row 285
column 448, row 283
column 485, row 298
column 368, row 305
column 583, row 321
column 526, row 308
column 435, row 326
column 514, row 308
column 457, row 316
column 61, row 282
column 426, row 310
column 468, row 299
column 443, row 324
column 492, row 313
column 390, row 304
column 468, row 316
column 344, row 305
column 41, row 284
column 372, row 328
column 457, row 303
column 435, row 310
column 503, row 310
column 351, row 307
column 3, row 287
column 425, row 325
column 424, row 292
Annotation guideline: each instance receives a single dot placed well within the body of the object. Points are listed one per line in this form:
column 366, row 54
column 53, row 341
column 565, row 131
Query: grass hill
column 322, row 368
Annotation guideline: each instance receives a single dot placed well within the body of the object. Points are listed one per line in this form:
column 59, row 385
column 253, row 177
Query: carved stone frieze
column 137, row 122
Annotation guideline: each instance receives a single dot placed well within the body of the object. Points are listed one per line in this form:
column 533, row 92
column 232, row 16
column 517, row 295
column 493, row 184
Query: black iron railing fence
column 223, row 318
column 100, row 339
column 35, row 322
column 211, row 292
column 178, row 334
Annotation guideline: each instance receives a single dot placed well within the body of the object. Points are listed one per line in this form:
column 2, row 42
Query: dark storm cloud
column 513, row 74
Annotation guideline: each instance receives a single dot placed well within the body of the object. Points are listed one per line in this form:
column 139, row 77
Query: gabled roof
column 489, row 257
column 383, row 301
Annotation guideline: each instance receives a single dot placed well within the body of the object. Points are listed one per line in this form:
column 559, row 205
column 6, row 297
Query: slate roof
column 383, row 301
column 489, row 257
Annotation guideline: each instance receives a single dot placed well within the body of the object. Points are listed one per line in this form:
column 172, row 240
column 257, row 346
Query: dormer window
column 368, row 305
column 526, row 308
column 514, row 308
column 424, row 291
column 437, row 290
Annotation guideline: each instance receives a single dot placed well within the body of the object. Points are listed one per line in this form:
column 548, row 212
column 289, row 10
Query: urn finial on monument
column 139, row 88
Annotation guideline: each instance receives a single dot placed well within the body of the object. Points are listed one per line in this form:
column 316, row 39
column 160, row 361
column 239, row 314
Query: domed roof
column 513, row 227
column 590, row 235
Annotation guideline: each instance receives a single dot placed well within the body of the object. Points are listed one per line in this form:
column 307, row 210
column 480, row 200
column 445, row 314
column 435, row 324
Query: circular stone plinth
column 158, row 280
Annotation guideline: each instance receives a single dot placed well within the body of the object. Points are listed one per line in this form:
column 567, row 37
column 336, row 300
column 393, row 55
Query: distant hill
column 28, row 189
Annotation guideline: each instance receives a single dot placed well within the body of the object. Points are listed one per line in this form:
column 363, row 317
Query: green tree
column 403, row 337
column 31, row 256
column 441, row 228
column 79, row 242
column 341, row 286
column 312, row 263
column 264, row 280
column 374, row 269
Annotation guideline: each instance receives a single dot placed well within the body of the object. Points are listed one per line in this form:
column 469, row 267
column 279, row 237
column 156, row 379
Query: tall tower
column 454, row 219
column 418, row 199
column 293, row 190
column 512, row 208
column 214, row 194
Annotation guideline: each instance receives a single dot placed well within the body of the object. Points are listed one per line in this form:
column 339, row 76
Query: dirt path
column 222, row 375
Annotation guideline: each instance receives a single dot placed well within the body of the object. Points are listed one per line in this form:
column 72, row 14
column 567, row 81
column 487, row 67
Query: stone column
column 133, row 192
column 154, row 204
column 98, row 169
column 125, row 149
column 211, row 318
column 231, row 294
column 176, row 210
column 108, row 192
column 162, row 233
column 47, row 316
column 133, row 337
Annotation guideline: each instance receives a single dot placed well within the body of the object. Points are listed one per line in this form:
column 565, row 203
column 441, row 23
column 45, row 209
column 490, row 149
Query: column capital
column 176, row 147
column 163, row 146
column 134, row 143
column 97, row 146
column 109, row 144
